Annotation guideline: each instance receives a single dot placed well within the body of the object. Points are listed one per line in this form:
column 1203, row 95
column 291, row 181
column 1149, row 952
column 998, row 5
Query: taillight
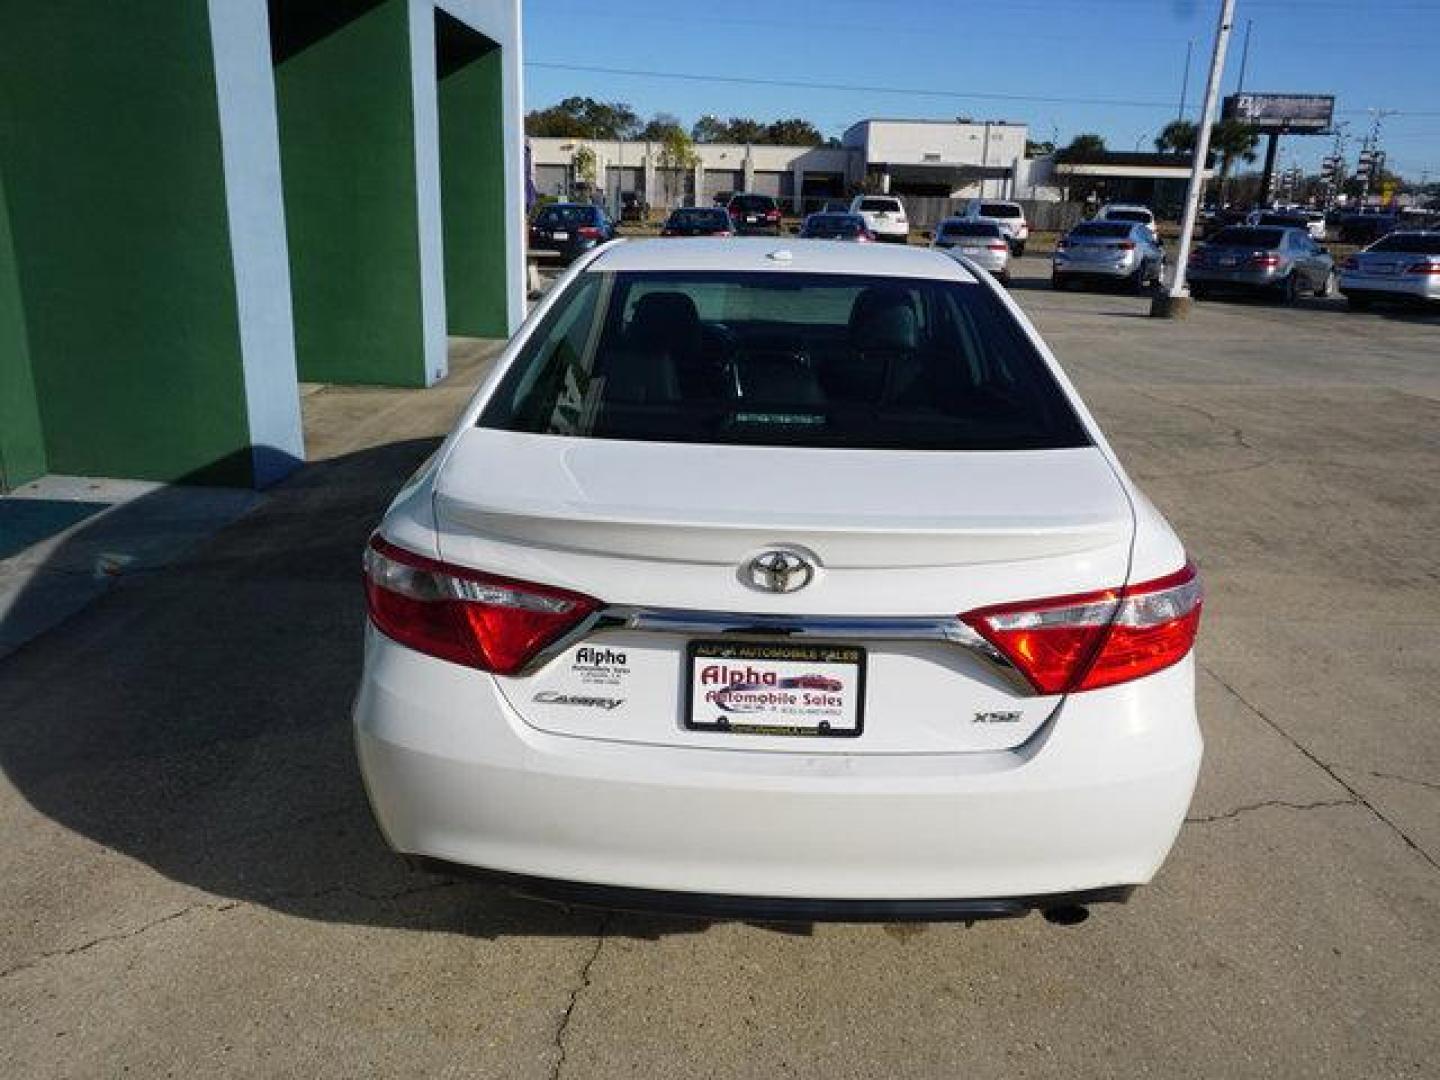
column 1265, row 260
column 461, row 615
column 772, row 215
column 1197, row 256
column 1126, row 245
column 865, row 236
column 998, row 245
column 1096, row 639
column 588, row 232
column 1423, row 268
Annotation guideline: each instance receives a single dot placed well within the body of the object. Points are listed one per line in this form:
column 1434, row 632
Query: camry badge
column 779, row 571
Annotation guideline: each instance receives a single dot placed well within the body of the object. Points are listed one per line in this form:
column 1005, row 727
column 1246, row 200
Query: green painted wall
column 347, row 155
column 22, row 441
column 472, row 197
column 111, row 146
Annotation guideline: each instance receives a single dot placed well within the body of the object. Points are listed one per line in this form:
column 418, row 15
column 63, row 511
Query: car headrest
column 665, row 320
column 884, row 317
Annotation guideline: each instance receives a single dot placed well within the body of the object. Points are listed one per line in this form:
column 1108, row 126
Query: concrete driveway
column 190, row 884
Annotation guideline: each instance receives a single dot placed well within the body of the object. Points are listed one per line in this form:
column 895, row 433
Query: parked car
column 698, row 221
column 836, row 227
column 1268, row 259
column 754, row 214
column 722, row 198
column 1115, row 252
column 565, row 231
column 836, row 206
column 1141, row 215
column 982, row 242
column 1279, row 219
column 1314, row 224
column 1009, row 216
column 1402, row 266
column 884, row 216
column 1220, row 217
column 632, row 206
column 700, row 468
column 1366, row 228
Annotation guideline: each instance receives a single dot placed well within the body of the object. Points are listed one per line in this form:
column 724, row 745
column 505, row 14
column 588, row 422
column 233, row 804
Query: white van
column 884, row 216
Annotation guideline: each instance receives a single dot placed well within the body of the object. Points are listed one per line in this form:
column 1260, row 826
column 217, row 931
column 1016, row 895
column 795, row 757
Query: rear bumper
column 1396, row 286
column 1092, row 802
column 1116, row 271
column 1234, row 279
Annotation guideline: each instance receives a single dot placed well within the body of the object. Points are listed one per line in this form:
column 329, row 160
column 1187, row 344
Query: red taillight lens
column 1265, row 260
column 588, row 232
column 1424, row 268
column 772, row 215
column 1097, row 639
column 1126, row 245
column 466, row 617
column 999, row 245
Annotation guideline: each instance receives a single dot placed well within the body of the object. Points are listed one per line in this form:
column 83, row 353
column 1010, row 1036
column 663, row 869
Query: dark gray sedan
column 1280, row 262
column 1119, row 252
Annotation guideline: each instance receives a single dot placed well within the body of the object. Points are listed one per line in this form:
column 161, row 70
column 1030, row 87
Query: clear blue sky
column 1062, row 66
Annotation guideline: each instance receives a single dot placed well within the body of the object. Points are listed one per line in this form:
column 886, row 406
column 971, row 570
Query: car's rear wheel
column 1018, row 248
column 1136, row 281
column 1323, row 289
column 1199, row 292
column 1287, row 291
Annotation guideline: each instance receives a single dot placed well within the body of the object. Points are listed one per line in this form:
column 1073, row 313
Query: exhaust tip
column 1067, row 915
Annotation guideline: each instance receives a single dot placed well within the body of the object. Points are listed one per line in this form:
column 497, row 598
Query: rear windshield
column 834, row 225
column 784, row 359
column 1264, row 239
column 1414, row 243
column 713, row 219
column 969, row 228
column 1000, row 210
column 753, row 202
column 873, row 205
column 556, row 216
column 1109, row 229
column 1142, row 216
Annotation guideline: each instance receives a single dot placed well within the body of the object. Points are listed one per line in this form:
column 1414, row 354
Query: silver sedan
column 1279, row 261
column 1401, row 266
column 1119, row 252
column 982, row 242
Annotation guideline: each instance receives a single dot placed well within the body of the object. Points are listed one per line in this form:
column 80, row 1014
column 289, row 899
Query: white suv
column 1139, row 215
column 884, row 216
column 1010, row 216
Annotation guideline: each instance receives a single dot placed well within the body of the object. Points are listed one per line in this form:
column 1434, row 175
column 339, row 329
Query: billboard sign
column 1303, row 113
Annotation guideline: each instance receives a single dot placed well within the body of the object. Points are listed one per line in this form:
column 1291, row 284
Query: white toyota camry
column 781, row 580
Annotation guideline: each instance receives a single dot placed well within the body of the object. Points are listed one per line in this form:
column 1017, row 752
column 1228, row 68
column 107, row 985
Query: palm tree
column 1231, row 139
column 1177, row 137
column 1082, row 148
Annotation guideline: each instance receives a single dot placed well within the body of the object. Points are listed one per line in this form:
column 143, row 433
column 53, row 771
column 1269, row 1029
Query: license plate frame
column 826, row 661
column 560, row 236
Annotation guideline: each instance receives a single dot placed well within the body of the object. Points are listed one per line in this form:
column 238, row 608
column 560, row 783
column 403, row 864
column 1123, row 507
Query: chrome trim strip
column 858, row 629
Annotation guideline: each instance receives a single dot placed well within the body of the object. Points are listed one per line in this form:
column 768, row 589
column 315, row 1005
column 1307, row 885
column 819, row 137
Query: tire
column 1358, row 303
column 1058, row 283
column 1018, row 249
column 1199, row 292
column 1004, row 278
column 1323, row 289
column 1288, row 289
column 1135, row 283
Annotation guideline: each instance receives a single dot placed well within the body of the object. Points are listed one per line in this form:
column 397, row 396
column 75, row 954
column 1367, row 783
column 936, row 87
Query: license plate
column 775, row 688
column 750, row 219
column 973, row 250
column 1383, row 268
column 561, row 236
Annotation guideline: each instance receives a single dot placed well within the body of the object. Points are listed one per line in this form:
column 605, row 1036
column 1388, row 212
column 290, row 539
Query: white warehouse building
column 948, row 158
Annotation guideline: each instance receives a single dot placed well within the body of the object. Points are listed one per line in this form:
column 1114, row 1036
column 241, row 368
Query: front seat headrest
column 884, row 317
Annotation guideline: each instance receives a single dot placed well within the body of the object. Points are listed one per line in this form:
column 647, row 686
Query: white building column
column 797, row 181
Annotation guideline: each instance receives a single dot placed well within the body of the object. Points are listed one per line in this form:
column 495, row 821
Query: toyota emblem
column 779, row 571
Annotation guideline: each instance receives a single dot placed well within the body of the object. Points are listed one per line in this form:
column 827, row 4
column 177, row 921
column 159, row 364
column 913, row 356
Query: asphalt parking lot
column 191, row 885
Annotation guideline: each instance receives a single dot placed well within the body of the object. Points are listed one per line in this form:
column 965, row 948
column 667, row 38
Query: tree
column 584, row 118
column 660, row 125
column 709, row 129
column 583, row 165
column 1177, row 137
column 793, row 132
column 677, row 156
column 1035, row 149
column 743, row 130
column 1082, row 148
column 1232, row 140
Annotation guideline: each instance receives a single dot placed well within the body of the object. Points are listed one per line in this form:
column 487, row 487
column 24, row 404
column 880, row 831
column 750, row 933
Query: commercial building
column 953, row 159
column 204, row 201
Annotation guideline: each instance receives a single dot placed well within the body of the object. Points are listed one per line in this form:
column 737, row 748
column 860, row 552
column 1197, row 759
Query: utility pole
column 1244, row 57
column 1185, row 81
column 1176, row 302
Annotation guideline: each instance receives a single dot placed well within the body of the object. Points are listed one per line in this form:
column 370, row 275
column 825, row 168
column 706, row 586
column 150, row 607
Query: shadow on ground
column 197, row 719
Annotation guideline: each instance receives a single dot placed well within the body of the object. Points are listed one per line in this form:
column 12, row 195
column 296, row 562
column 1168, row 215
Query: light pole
column 1176, row 302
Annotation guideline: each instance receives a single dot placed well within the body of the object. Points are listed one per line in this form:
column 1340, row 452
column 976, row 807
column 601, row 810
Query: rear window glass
column 753, row 202
column 874, row 205
column 1415, row 243
column 834, row 225
column 1142, row 216
column 784, row 359
column 1264, row 239
column 1000, row 210
column 969, row 228
column 1109, row 229
column 558, row 216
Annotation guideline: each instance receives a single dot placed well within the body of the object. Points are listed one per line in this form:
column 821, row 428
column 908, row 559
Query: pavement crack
column 123, row 935
column 1268, row 803
column 581, row 985
column 1356, row 795
column 1431, row 784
